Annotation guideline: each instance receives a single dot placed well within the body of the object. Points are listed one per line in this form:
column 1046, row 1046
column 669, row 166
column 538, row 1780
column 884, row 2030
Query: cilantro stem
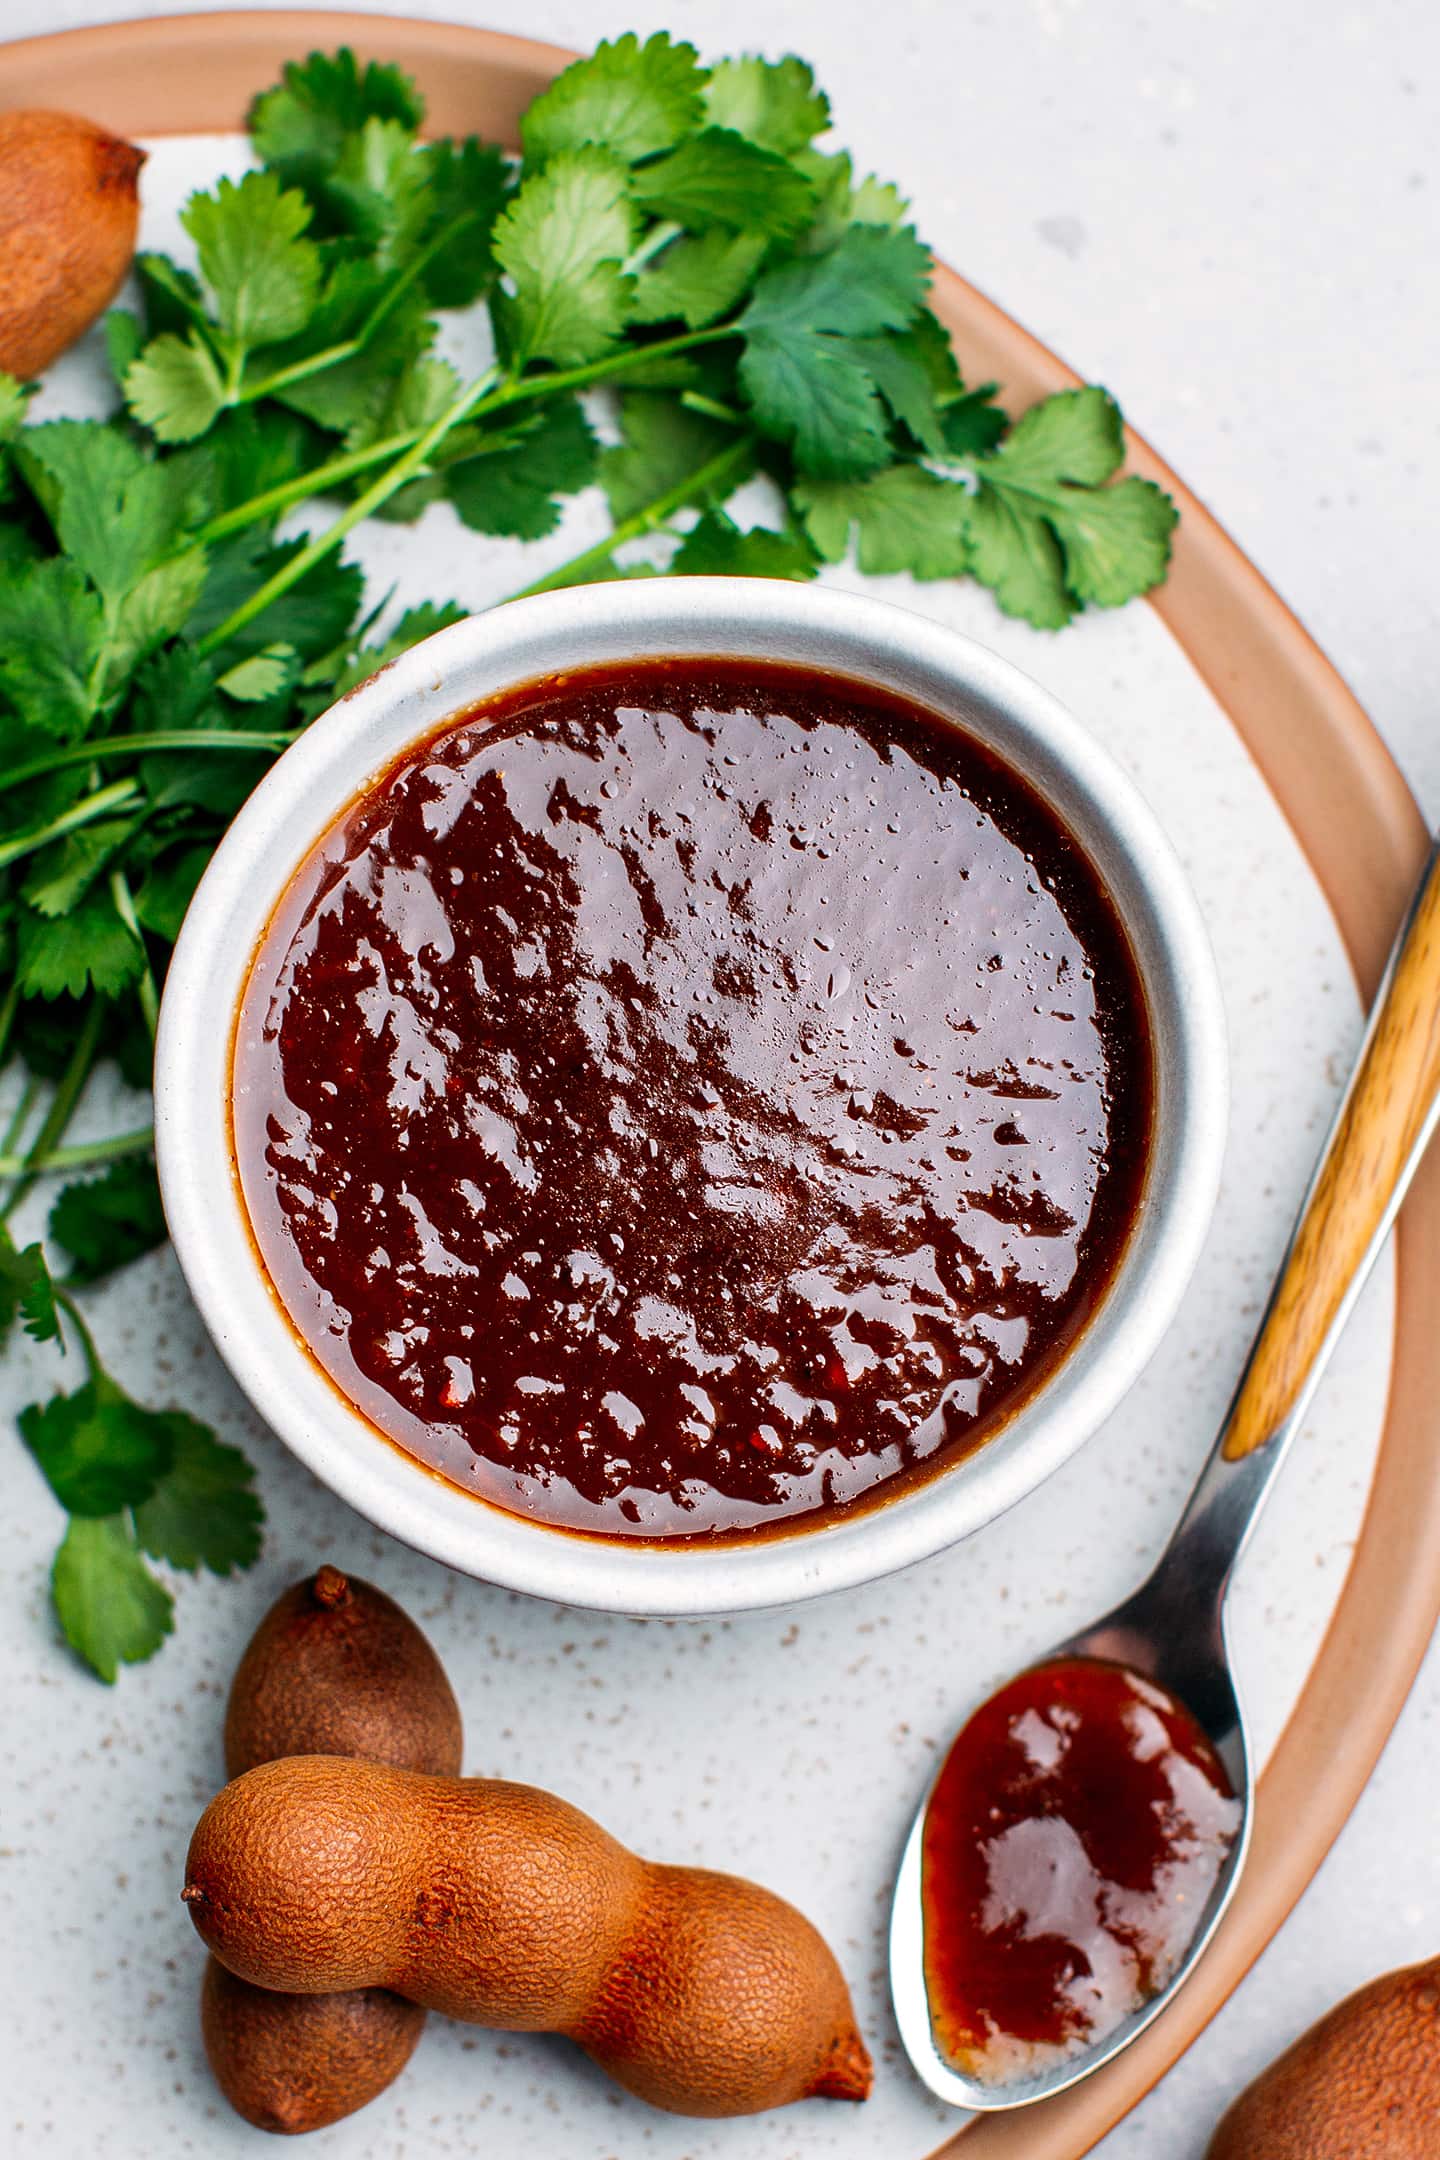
column 301, row 488
column 8, row 1010
column 349, row 348
column 389, row 483
column 298, row 371
column 119, row 795
column 721, row 471
column 124, row 901
column 597, row 371
column 78, row 1154
column 62, row 1107
column 76, row 1318
column 132, row 746
column 711, row 408
column 320, row 478
column 20, row 1115
column 658, row 237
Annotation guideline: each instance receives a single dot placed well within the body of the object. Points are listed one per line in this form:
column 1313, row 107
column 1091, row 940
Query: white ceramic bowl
column 741, row 618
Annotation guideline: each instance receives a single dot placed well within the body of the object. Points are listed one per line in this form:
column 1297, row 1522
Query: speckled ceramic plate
column 790, row 1748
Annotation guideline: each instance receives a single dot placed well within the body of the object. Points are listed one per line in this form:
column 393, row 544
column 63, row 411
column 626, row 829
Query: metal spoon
column 1172, row 1630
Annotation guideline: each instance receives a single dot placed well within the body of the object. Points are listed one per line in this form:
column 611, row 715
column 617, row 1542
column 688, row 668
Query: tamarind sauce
column 682, row 1098
column 1071, row 1843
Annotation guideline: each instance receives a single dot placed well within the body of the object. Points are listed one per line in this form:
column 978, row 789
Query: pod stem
column 330, row 1588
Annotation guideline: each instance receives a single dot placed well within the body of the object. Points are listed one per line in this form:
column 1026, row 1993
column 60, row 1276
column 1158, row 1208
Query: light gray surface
column 1229, row 215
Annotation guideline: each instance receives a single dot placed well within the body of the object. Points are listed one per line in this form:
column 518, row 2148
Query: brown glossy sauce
column 682, row 1097
column 1071, row 1843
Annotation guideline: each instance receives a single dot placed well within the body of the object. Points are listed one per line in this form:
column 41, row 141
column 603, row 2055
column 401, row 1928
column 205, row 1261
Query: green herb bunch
column 670, row 230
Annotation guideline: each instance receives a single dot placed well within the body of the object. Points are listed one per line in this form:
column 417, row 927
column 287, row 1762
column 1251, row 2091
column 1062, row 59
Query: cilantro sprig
column 685, row 293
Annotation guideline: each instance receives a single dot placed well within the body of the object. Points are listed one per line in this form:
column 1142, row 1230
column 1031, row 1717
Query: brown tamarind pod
column 335, row 1665
column 69, row 211
column 336, row 1668
column 1363, row 2084
column 504, row 1906
column 723, row 1990
column 291, row 2063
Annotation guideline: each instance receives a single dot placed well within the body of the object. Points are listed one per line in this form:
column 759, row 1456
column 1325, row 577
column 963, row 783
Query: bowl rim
column 360, row 737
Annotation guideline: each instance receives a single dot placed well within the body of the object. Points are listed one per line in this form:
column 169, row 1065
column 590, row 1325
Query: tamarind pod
column 504, row 1906
column 69, row 213
column 334, row 1666
column 291, row 2063
column 337, row 1668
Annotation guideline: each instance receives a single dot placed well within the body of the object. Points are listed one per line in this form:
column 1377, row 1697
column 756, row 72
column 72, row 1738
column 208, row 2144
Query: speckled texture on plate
column 792, row 1749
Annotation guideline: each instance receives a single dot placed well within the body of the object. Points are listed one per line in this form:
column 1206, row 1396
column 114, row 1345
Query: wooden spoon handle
column 1374, row 1146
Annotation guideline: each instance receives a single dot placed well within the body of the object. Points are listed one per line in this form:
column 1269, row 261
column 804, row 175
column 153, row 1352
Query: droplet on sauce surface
column 1071, row 1844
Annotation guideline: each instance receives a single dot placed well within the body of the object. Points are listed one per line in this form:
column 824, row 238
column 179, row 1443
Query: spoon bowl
column 1133, row 1635
column 1171, row 1631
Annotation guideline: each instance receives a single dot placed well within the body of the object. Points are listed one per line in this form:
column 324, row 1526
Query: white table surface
column 1230, row 215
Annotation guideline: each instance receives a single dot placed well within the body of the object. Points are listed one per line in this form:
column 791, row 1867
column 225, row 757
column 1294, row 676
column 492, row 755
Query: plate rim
column 1357, row 823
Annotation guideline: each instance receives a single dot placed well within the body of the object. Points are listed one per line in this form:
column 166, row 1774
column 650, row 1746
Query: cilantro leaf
column 414, row 625
column 807, row 393
column 1115, row 540
column 110, row 1608
column 117, row 512
column 347, row 394
column 175, row 690
column 662, row 444
column 313, row 615
column 378, row 187
column 514, row 490
column 124, row 336
column 301, row 126
column 466, row 187
column 167, row 892
column 806, row 386
column 253, row 448
column 717, row 178
column 52, row 633
column 774, row 102
column 900, row 371
column 151, row 612
column 173, row 298
column 63, row 873
column 904, row 519
column 716, row 547
column 106, row 1222
column 974, row 422
column 413, row 399
column 98, row 1450
column 1075, row 435
column 202, row 1512
column 264, row 275
column 1047, row 534
column 1014, row 551
column 873, row 279
column 562, row 242
column 634, row 99
column 88, row 948
column 264, row 675
column 26, row 1290
column 14, row 399
column 843, row 201
column 697, row 280
column 174, row 387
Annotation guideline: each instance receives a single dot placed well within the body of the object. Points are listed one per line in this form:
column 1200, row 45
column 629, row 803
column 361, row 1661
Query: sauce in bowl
column 690, row 1098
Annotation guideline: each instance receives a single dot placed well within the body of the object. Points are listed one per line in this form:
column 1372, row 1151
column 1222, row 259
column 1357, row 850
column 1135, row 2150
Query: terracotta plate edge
column 1334, row 779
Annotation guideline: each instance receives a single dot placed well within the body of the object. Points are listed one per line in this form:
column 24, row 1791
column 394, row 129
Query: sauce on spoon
column 1071, row 1844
